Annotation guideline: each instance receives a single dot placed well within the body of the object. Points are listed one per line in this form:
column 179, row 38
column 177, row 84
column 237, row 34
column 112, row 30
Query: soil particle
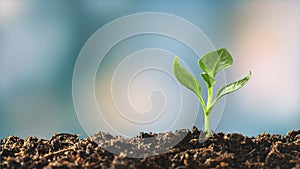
column 219, row 151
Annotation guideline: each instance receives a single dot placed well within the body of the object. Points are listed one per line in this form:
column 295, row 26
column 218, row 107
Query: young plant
column 211, row 63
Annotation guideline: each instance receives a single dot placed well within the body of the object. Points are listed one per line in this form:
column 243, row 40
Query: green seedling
column 211, row 63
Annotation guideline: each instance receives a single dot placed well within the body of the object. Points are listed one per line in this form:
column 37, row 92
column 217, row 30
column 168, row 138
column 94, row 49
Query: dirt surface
column 219, row 151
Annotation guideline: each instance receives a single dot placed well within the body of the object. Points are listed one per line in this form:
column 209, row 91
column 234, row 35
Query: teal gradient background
column 40, row 42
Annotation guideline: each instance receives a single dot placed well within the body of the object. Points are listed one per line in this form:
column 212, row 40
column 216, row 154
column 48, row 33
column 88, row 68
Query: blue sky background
column 40, row 42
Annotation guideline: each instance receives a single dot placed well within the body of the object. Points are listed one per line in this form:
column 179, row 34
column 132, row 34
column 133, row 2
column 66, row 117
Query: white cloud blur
column 267, row 42
column 9, row 10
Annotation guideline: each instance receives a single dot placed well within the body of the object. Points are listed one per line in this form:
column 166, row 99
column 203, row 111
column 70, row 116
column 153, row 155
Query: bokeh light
column 40, row 42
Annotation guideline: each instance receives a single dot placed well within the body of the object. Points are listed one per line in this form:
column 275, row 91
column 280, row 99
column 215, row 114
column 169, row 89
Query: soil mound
column 219, row 151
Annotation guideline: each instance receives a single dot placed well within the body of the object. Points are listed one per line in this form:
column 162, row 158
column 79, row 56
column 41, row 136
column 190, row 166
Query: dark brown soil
column 219, row 151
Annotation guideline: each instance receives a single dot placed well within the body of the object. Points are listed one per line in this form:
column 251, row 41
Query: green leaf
column 210, row 81
column 185, row 78
column 233, row 86
column 212, row 62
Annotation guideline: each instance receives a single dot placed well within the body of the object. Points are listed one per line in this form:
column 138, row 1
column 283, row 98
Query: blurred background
column 40, row 42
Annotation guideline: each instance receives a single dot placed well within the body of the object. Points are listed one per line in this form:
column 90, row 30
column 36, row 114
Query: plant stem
column 207, row 128
column 202, row 102
column 209, row 97
column 208, row 109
